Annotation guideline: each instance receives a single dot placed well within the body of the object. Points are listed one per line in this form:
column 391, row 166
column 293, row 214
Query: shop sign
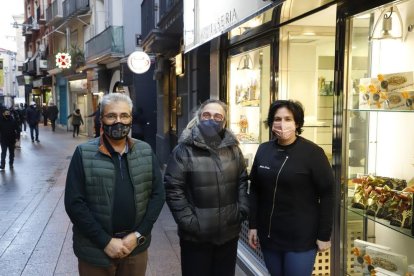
column 139, row 62
column 63, row 60
column 205, row 20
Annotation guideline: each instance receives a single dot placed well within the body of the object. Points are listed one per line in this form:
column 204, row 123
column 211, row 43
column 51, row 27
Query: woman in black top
column 291, row 195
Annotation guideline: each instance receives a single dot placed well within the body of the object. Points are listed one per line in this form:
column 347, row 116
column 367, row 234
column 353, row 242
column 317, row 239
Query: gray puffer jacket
column 206, row 188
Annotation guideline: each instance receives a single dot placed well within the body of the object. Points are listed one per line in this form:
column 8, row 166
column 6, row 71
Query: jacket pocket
column 188, row 221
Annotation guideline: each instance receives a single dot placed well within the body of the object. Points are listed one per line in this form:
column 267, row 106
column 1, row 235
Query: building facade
column 98, row 36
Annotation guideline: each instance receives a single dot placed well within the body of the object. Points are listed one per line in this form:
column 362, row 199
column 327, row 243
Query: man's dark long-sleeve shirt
column 81, row 215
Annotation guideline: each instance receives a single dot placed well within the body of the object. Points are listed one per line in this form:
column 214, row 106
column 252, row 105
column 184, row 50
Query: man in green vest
column 114, row 194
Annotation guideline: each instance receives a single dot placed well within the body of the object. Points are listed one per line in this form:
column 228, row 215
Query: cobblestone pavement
column 36, row 233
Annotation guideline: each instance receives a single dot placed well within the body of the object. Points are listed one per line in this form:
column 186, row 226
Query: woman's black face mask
column 210, row 127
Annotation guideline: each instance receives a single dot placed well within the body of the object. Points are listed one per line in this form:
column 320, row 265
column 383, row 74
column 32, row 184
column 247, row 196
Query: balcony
column 164, row 35
column 106, row 47
column 54, row 13
column 29, row 26
column 148, row 17
column 74, row 7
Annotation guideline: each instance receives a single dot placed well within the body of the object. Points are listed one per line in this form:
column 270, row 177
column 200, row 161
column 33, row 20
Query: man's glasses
column 112, row 117
column 216, row 117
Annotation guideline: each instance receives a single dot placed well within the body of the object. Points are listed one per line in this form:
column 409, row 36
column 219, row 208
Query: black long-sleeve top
column 291, row 195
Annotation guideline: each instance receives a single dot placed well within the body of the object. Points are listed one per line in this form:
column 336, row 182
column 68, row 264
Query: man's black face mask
column 116, row 131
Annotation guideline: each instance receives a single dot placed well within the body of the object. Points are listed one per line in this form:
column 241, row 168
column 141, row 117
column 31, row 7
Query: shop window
column 294, row 8
column 307, row 72
column 249, row 99
column 378, row 158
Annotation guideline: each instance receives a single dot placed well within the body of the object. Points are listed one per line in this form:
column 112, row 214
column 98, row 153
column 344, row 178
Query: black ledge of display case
column 386, row 223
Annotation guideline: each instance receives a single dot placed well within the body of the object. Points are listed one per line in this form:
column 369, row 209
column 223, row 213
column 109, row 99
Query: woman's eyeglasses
column 216, row 117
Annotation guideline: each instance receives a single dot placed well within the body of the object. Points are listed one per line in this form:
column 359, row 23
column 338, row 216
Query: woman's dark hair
column 293, row 106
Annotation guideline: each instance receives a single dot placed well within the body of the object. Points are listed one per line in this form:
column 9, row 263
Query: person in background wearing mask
column 291, row 195
column 33, row 119
column 206, row 191
column 9, row 133
column 113, row 196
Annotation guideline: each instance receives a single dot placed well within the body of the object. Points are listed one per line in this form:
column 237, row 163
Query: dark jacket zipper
column 274, row 195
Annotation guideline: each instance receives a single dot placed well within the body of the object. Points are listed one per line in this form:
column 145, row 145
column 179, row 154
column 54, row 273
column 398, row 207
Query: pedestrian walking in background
column 23, row 116
column 52, row 114
column 206, row 191
column 44, row 114
column 15, row 114
column 33, row 119
column 97, row 120
column 9, row 134
column 114, row 194
column 291, row 195
column 76, row 121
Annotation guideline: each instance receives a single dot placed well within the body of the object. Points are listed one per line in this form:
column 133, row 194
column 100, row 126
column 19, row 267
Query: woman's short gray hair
column 209, row 101
column 113, row 98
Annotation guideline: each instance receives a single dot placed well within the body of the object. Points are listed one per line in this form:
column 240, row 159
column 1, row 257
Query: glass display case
column 378, row 152
column 248, row 104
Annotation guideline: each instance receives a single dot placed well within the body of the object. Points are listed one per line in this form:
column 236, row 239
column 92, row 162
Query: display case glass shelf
column 384, row 222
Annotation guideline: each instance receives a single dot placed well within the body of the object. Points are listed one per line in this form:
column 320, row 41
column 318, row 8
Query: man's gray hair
column 113, row 98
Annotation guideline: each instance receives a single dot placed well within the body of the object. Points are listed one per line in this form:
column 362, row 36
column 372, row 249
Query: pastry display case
column 378, row 152
column 249, row 99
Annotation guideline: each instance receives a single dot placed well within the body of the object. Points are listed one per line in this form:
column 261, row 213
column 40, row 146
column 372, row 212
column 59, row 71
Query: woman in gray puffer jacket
column 206, row 190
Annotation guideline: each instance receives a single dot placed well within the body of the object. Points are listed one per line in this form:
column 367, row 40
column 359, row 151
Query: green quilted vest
column 100, row 181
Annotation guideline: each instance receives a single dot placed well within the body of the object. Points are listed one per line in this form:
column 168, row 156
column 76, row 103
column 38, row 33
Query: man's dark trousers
column 4, row 147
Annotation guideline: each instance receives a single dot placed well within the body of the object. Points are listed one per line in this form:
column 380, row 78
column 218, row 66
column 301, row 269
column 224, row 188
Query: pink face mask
column 284, row 130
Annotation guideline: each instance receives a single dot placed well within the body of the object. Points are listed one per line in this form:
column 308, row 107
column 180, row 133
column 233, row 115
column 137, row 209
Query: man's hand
column 323, row 245
column 130, row 241
column 253, row 240
column 116, row 249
